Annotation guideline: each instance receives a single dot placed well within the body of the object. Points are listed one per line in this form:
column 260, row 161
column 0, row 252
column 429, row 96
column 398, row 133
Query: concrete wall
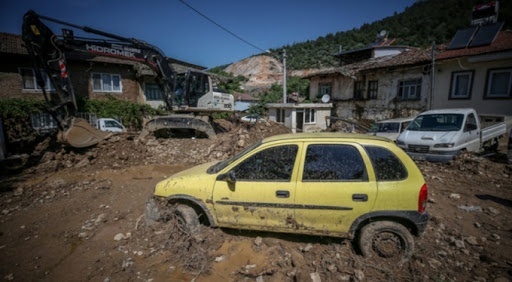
column 443, row 74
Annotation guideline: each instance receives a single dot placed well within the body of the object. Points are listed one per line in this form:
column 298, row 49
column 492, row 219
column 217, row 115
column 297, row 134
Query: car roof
column 324, row 135
column 448, row 111
column 396, row 120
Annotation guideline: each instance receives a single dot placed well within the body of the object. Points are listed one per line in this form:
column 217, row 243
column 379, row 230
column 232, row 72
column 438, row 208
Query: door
column 300, row 121
column 471, row 133
column 333, row 188
column 263, row 193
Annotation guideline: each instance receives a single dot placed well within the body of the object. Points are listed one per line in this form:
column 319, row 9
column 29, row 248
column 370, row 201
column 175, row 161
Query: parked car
column 331, row 184
column 252, row 118
column 439, row 135
column 389, row 128
column 110, row 124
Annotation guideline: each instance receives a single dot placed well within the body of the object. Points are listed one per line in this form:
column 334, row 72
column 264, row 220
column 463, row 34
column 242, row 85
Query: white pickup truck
column 439, row 135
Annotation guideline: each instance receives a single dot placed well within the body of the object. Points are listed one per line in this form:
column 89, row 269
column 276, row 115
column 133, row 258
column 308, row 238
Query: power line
column 220, row 26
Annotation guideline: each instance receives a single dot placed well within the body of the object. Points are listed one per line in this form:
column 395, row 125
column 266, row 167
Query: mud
column 78, row 215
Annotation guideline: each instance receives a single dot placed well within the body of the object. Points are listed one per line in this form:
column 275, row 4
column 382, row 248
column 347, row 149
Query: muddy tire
column 387, row 240
column 187, row 218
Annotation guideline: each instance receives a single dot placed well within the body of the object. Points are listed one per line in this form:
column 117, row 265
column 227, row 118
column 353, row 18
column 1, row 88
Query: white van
column 389, row 128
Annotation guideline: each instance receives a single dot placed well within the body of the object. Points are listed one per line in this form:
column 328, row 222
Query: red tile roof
column 12, row 43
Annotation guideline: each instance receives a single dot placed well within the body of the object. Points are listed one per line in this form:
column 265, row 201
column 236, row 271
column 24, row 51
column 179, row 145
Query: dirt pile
column 78, row 215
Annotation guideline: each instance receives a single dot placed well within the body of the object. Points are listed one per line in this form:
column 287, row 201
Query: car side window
column 387, row 166
column 333, row 162
column 274, row 164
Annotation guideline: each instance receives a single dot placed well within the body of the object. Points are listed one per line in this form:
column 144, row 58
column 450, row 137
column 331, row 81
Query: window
column 461, row 85
column 104, row 82
column 309, row 115
column 499, row 83
column 29, row 80
column 470, row 123
column 324, row 89
column 373, row 89
column 43, row 122
column 409, row 89
column 359, row 90
column 275, row 163
column 386, row 164
column 153, row 92
column 332, row 162
column 280, row 115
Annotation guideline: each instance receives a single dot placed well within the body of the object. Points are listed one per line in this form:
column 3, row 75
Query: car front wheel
column 386, row 239
column 187, row 218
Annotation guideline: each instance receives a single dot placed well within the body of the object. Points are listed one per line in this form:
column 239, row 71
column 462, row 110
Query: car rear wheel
column 386, row 239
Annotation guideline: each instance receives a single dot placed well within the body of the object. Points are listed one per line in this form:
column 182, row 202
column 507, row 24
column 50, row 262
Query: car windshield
column 222, row 164
column 389, row 127
column 437, row 122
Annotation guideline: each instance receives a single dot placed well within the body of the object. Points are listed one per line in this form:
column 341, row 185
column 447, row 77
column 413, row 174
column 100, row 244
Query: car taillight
column 422, row 199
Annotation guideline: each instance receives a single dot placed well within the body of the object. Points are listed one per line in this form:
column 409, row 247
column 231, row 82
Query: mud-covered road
column 77, row 215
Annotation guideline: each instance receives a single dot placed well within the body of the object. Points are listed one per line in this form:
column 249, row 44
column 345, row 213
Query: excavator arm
column 189, row 93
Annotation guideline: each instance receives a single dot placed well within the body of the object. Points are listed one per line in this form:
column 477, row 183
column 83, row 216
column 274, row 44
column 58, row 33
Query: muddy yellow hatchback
column 331, row 184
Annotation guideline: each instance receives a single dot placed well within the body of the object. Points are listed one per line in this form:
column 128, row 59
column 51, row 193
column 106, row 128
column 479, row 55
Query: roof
column 411, row 56
column 12, row 43
column 503, row 42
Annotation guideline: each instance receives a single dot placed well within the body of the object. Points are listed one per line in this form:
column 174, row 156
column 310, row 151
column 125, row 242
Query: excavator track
column 80, row 134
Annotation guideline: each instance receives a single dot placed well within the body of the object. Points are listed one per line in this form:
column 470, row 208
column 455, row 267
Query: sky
column 213, row 32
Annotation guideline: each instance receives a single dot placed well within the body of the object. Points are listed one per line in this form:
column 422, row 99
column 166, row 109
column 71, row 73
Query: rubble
column 82, row 212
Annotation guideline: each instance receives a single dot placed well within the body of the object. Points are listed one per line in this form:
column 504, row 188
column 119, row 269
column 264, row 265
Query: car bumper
column 439, row 157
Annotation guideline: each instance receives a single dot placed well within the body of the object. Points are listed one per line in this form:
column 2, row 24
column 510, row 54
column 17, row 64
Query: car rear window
column 333, row 162
column 387, row 166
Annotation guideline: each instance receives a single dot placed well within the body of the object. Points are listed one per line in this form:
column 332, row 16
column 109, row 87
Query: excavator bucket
column 81, row 134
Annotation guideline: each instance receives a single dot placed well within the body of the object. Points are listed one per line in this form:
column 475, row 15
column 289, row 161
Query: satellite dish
column 326, row 98
column 383, row 33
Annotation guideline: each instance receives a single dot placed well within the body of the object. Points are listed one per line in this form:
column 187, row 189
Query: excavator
column 188, row 96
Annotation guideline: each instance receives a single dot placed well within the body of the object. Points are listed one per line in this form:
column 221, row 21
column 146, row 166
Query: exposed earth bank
column 77, row 215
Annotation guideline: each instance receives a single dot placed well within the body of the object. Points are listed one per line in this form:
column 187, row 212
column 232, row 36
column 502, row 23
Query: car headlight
column 444, row 145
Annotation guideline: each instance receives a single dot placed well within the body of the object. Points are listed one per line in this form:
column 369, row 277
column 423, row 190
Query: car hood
column 192, row 178
column 427, row 137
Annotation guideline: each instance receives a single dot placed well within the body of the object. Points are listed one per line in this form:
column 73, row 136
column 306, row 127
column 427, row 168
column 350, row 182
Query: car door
column 471, row 133
column 333, row 188
column 263, row 193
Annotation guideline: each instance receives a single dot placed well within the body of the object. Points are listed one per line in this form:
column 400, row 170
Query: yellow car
column 332, row 184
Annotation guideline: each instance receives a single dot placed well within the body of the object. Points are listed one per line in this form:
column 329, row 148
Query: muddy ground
column 77, row 215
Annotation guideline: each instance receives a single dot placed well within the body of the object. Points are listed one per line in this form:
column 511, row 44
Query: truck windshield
column 437, row 122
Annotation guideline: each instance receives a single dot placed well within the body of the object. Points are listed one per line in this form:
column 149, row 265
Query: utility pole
column 284, row 76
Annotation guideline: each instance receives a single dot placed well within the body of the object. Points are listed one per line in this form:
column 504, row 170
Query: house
column 300, row 117
column 92, row 76
column 379, row 82
column 244, row 101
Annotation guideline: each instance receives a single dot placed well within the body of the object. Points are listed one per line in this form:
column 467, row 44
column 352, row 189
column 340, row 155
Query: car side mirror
column 230, row 177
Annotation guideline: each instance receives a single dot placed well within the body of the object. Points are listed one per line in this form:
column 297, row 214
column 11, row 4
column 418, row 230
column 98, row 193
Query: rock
column 454, row 196
column 258, row 241
column 260, row 279
column 315, row 277
column 495, row 236
column 220, row 258
column 359, row 274
column 472, row 241
column 307, row 248
column 119, row 237
column 459, row 244
column 101, row 218
column 492, row 211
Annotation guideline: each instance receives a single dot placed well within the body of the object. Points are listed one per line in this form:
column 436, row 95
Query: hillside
column 418, row 25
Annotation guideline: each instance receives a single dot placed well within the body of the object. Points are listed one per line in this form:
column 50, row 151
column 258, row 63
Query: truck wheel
column 386, row 239
column 187, row 218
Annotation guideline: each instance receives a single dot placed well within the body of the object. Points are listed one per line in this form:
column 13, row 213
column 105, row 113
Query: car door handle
column 359, row 197
column 282, row 194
